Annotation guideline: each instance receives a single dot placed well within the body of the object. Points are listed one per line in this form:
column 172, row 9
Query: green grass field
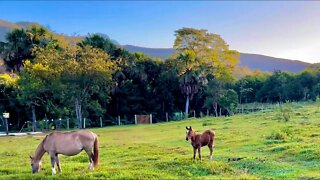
column 271, row 148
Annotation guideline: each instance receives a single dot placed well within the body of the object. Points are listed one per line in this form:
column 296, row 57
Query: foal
column 69, row 144
column 199, row 140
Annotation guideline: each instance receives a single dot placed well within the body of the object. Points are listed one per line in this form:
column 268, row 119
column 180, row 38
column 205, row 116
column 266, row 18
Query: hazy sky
column 281, row 29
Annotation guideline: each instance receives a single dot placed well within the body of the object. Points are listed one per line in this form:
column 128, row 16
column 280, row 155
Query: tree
column 198, row 54
column 167, row 87
column 229, row 101
column 87, row 73
column 101, row 42
column 214, row 90
column 275, row 87
column 78, row 77
column 243, row 89
column 20, row 44
column 35, row 87
column 8, row 100
column 306, row 80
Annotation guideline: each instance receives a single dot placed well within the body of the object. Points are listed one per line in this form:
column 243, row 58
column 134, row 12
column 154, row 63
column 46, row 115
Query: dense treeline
column 279, row 87
column 48, row 79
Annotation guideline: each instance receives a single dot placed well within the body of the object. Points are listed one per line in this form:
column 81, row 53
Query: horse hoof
column 53, row 171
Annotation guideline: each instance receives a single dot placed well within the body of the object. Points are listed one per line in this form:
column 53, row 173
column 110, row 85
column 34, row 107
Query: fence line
column 67, row 123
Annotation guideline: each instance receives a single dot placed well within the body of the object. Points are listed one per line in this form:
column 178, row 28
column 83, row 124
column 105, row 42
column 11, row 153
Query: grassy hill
column 271, row 148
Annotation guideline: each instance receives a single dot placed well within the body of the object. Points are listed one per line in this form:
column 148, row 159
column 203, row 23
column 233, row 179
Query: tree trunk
column 229, row 112
column 215, row 107
column 187, row 107
column 34, row 121
column 78, row 113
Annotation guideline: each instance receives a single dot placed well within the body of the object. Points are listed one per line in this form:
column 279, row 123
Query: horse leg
column 211, row 149
column 53, row 161
column 58, row 164
column 194, row 153
column 90, row 155
column 199, row 152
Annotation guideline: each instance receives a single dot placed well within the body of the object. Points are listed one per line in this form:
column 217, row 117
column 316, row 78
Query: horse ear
column 187, row 128
column 190, row 128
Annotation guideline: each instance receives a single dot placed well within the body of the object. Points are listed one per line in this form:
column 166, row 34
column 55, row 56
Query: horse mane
column 40, row 150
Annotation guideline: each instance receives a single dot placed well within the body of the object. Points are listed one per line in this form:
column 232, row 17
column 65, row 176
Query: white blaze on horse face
column 36, row 166
column 187, row 135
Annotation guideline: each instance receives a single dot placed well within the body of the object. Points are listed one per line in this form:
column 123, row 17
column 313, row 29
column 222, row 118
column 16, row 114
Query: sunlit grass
column 271, row 148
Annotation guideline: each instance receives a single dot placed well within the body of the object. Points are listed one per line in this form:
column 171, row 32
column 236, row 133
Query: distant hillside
column 162, row 53
column 6, row 27
column 253, row 61
column 267, row 63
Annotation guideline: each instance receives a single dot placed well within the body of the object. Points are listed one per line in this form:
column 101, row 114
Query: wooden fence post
column 194, row 113
column 67, row 123
column 101, row 122
column 7, row 126
column 150, row 118
column 119, row 120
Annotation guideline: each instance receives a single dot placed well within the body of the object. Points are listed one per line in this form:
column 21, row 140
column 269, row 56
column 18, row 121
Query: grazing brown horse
column 199, row 140
column 69, row 144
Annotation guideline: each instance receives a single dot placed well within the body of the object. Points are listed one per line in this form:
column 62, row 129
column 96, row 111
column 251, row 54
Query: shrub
column 277, row 135
column 284, row 112
column 281, row 135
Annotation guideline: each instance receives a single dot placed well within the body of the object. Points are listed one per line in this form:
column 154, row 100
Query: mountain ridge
column 250, row 60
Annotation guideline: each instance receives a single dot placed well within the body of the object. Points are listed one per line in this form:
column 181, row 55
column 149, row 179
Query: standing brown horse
column 69, row 144
column 199, row 140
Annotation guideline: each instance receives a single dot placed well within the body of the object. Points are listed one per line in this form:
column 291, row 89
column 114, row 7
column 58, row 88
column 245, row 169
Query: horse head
column 35, row 164
column 189, row 133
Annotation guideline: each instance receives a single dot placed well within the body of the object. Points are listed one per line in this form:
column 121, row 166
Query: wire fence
column 45, row 125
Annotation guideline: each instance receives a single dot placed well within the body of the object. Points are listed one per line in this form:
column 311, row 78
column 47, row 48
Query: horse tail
column 96, row 152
